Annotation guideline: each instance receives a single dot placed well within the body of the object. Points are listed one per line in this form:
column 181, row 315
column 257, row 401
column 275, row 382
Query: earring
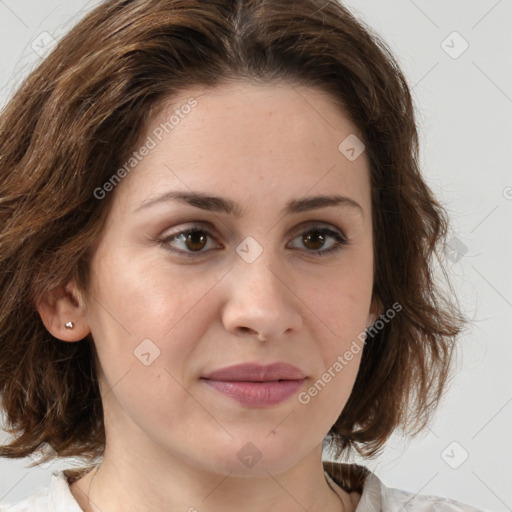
column 69, row 325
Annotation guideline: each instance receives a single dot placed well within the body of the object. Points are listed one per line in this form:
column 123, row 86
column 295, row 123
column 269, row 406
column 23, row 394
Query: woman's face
column 261, row 278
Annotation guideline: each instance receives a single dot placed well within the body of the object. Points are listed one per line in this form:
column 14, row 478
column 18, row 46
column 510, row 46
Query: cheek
column 150, row 296
column 148, row 307
column 340, row 300
column 338, row 311
column 147, row 323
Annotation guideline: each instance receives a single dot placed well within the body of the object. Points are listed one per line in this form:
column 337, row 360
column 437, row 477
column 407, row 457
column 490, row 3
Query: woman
column 217, row 251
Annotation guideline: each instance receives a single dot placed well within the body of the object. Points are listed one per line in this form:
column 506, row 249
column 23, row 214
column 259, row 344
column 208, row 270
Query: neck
column 135, row 486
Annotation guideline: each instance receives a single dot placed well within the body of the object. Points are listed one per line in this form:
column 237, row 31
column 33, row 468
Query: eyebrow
column 224, row 205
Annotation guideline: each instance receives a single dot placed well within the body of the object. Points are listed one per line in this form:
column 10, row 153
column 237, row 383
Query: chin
column 258, row 457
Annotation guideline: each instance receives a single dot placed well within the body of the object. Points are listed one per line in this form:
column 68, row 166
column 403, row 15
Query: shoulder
column 56, row 497
column 392, row 500
column 37, row 501
column 374, row 495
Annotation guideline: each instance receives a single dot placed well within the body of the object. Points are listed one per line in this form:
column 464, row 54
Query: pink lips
column 257, row 385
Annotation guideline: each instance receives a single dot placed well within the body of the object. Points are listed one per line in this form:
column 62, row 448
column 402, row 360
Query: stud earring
column 69, row 325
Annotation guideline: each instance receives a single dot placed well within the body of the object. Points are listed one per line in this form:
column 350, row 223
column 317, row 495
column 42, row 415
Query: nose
column 262, row 302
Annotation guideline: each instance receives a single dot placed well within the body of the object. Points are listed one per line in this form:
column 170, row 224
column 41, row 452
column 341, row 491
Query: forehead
column 244, row 137
column 258, row 108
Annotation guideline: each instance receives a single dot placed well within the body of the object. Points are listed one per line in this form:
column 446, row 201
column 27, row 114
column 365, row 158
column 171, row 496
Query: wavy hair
column 96, row 90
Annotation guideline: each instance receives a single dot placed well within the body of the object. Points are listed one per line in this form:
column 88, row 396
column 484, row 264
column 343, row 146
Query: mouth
column 254, row 372
column 256, row 385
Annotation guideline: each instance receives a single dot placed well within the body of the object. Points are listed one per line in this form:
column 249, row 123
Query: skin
column 172, row 441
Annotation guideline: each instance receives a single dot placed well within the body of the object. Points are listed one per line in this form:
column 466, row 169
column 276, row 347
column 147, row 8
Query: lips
column 251, row 372
column 254, row 385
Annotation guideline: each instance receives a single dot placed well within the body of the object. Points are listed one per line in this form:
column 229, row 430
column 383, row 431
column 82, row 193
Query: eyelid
column 333, row 231
column 206, row 226
column 316, row 224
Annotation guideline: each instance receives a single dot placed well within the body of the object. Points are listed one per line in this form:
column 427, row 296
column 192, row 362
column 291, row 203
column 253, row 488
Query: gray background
column 464, row 104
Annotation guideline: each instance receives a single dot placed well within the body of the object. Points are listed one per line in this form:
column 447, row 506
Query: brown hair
column 96, row 91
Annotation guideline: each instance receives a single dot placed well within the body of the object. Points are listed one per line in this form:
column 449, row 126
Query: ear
column 62, row 305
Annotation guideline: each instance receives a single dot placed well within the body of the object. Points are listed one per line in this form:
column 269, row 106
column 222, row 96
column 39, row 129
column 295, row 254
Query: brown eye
column 195, row 240
column 314, row 241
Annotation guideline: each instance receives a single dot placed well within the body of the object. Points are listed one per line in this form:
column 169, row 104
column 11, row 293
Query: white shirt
column 376, row 497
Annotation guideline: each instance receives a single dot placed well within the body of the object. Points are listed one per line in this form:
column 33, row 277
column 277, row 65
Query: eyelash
column 341, row 240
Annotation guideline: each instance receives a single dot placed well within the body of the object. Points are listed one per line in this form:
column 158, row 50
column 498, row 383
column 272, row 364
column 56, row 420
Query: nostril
column 248, row 330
